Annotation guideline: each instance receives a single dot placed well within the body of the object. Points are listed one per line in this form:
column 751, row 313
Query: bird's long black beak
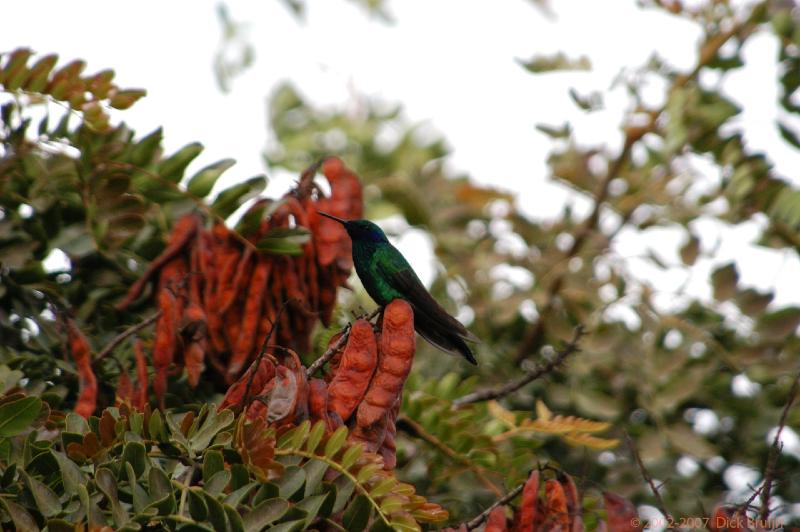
column 332, row 217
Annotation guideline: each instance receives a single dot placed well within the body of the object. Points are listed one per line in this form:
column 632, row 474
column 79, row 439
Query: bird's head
column 360, row 230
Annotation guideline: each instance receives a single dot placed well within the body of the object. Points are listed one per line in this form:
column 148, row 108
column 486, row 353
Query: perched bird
column 386, row 275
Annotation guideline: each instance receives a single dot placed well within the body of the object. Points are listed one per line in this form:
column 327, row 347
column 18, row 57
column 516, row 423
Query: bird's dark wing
column 407, row 283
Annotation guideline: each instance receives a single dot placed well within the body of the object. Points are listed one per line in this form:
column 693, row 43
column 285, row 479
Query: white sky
column 450, row 63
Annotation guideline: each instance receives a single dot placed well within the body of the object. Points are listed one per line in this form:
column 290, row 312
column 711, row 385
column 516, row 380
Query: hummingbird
column 387, row 275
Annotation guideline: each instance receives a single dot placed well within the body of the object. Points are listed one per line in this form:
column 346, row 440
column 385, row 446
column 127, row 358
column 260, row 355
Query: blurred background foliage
column 699, row 384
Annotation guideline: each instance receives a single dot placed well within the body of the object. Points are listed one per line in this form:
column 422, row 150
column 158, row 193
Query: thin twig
column 649, row 479
column 113, row 344
column 405, row 422
column 257, row 362
column 475, row 522
column 332, row 350
column 529, row 376
column 775, row 451
column 533, row 337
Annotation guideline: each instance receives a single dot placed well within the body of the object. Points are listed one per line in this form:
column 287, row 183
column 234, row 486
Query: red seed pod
column 256, row 293
column 166, row 338
column 528, row 517
column 194, row 359
column 497, row 520
column 396, row 355
column 352, row 377
column 264, row 373
column 336, row 359
column 183, row 231
column 555, row 506
column 140, row 396
column 621, row 514
column 388, row 449
column 371, row 436
column 328, row 235
column 87, row 382
column 229, row 290
column 573, row 503
column 124, row 392
column 318, row 399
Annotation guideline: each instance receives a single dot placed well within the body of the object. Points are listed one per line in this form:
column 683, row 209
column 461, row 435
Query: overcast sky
column 452, row 64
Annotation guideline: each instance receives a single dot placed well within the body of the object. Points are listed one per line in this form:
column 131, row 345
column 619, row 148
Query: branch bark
column 340, row 343
column 530, row 376
column 415, row 429
column 775, row 450
column 113, row 344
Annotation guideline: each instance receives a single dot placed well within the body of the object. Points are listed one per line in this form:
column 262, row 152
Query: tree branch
column 328, row 354
column 113, row 344
column 530, row 376
column 257, row 362
column 415, row 429
column 775, row 450
column 475, row 522
column 649, row 479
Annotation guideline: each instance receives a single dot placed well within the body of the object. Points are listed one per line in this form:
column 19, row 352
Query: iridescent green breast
column 373, row 262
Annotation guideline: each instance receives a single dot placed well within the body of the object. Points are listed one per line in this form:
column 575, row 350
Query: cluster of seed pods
column 219, row 294
column 362, row 388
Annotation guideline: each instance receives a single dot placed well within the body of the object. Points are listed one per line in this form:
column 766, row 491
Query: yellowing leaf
column 498, row 412
column 542, row 412
column 592, row 442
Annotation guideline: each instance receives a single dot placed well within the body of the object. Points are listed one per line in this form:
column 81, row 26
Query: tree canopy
column 196, row 361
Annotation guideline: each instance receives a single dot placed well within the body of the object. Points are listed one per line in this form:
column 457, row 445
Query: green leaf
column 172, row 168
column 779, row 325
column 315, row 436
column 335, row 442
column 46, row 499
column 197, row 505
column 550, row 63
column 315, row 470
column 16, row 416
column 145, row 150
column 161, row 492
column 383, row 487
column 214, row 423
column 155, row 426
column 351, row 455
column 106, row 482
column 217, row 483
column 216, row 512
column 71, row 474
column 234, row 498
column 312, row 506
column 231, row 198
column 294, row 438
column 356, row 516
column 292, row 480
column 289, row 526
column 140, row 498
column 752, row 301
column 284, row 241
column 135, row 453
column 690, row 250
column 213, row 462
column 265, row 513
column 344, row 488
column 724, row 280
column 235, row 522
column 23, row 521
column 75, row 423
column 685, row 440
column 202, row 182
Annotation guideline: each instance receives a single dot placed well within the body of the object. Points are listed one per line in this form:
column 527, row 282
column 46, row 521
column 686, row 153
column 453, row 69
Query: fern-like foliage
column 90, row 95
column 184, row 471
